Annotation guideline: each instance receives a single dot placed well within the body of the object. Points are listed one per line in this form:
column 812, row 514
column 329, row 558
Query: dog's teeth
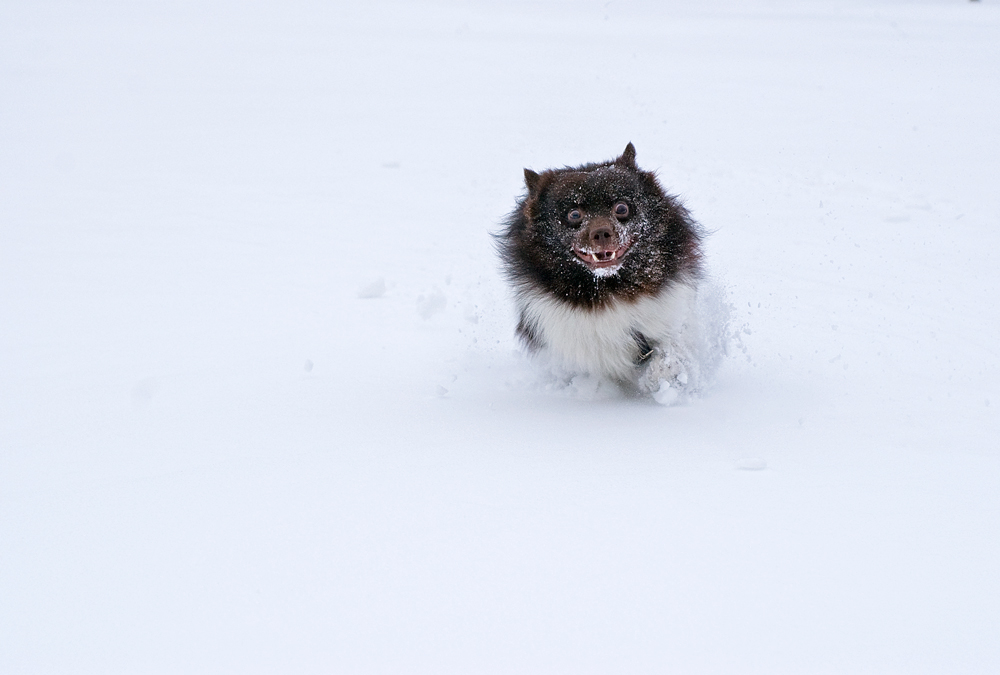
column 594, row 257
column 614, row 254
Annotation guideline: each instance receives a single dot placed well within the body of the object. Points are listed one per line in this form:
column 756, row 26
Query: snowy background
column 261, row 408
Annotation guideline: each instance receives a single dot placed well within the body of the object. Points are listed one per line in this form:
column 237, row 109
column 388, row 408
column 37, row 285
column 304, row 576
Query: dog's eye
column 621, row 210
column 575, row 216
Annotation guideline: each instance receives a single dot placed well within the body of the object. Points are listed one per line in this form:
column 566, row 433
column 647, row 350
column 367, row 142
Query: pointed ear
column 532, row 180
column 627, row 159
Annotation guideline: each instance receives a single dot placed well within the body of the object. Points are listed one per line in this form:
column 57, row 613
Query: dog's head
column 598, row 231
column 591, row 215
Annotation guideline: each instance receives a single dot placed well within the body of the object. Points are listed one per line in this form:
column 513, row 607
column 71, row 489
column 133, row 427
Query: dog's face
column 592, row 233
column 592, row 219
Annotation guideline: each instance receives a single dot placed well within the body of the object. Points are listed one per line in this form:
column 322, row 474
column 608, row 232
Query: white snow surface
column 261, row 406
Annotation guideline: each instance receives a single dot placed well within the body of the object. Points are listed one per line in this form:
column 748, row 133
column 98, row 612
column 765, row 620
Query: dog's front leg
column 663, row 375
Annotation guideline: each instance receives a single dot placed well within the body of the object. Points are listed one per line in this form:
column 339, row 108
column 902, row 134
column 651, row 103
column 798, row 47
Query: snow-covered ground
column 218, row 455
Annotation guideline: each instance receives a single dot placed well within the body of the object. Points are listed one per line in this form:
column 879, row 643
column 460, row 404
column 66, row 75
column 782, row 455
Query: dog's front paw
column 664, row 377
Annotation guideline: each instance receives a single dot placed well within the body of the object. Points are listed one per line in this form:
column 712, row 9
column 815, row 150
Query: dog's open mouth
column 599, row 259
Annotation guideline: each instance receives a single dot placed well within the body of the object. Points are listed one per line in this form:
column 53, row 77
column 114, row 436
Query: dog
column 605, row 268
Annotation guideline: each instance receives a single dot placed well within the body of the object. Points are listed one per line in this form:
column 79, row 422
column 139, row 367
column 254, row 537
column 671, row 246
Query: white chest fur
column 602, row 342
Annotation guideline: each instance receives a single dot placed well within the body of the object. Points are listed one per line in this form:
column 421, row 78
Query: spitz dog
column 605, row 268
